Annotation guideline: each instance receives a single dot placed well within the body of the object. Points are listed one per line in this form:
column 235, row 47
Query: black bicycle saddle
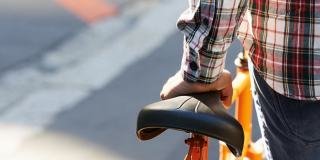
column 201, row 113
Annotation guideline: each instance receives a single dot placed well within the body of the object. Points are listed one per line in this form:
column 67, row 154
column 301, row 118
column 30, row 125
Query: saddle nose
column 201, row 113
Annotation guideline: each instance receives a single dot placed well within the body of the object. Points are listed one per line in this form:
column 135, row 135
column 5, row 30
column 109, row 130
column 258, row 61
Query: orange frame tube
column 244, row 110
column 243, row 97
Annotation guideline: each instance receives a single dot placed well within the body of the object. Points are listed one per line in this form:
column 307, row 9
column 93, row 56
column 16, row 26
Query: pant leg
column 290, row 127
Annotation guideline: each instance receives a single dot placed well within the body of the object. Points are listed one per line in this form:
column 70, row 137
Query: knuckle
column 162, row 96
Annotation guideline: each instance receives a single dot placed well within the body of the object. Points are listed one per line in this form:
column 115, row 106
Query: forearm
column 209, row 28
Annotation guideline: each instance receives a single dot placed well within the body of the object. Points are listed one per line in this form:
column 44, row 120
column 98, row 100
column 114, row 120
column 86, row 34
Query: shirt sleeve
column 209, row 28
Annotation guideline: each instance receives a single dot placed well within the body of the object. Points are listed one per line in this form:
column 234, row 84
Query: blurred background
column 74, row 75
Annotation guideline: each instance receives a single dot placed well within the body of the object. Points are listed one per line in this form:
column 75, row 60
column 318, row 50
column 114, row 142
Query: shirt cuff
column 203, row 67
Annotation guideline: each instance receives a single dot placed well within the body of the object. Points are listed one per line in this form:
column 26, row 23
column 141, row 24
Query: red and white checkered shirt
column 282, row 38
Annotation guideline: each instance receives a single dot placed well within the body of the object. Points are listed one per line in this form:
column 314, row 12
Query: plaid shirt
column 282, row 38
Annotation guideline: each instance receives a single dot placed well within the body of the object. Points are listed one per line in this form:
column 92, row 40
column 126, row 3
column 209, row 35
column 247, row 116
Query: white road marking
column 12, row 135
column 33, row 93
column 50, row 146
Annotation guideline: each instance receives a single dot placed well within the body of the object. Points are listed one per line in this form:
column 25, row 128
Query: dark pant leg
column 291, row 128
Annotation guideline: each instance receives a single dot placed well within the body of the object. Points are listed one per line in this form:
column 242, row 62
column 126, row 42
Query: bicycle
column 185, row 113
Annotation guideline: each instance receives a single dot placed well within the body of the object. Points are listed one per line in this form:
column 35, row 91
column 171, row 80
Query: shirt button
column 193, row 66
column 205, row 21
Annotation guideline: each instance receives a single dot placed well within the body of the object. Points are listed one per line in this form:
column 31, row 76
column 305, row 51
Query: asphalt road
column 28, row 28
column 73, row 91
column 112, row 110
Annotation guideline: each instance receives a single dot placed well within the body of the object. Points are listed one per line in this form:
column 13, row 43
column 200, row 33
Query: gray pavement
column 29, row 28
column 80, row 99
column 114, row 108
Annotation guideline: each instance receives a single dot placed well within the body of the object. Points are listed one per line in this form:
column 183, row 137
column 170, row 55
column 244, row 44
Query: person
column 282, row 39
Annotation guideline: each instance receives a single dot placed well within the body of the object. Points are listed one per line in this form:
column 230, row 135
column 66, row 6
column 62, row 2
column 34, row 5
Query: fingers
column 176, row 86
column 173, row 87
column 162, row 96
column 164, row 93
column 226, row 96
column 224, row 83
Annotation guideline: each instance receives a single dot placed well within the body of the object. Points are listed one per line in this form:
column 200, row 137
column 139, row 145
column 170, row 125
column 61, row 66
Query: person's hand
column 176, row 86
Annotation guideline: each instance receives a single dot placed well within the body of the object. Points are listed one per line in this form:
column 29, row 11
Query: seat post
column 198, row 147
